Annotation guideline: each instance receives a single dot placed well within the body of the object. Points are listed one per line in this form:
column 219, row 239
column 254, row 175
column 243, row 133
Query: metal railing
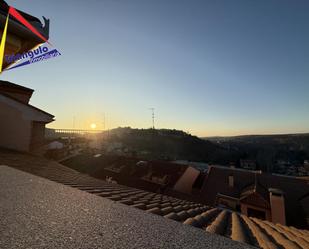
column 63, row 132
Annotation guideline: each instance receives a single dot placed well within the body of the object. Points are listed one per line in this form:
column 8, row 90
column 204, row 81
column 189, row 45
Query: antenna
column 153, row 117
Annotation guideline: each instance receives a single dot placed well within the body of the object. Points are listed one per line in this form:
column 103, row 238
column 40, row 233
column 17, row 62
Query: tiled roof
column 4, row 8
column 126, row 171
column 230, row 224
column 293, row 188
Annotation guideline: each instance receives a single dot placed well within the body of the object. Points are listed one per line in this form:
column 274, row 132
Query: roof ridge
column 14, row 85
column 26, row 104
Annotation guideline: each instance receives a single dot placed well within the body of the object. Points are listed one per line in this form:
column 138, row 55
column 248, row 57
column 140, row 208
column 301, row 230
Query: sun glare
column 93, row 126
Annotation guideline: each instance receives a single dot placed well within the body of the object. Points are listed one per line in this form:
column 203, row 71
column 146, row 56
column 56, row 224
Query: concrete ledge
column 38, row 213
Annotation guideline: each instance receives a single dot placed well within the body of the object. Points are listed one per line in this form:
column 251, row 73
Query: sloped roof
column 4, row 9
column 25, row 38
column 129, row 173
column 229, row 224
column 217, row 182
column 5, row 85
column 28, row 105
column 255, row 188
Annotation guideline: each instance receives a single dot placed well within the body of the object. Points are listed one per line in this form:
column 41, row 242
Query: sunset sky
column 207, row 67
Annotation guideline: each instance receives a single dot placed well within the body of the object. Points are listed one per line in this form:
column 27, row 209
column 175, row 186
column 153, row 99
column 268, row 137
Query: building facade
column 22, row 125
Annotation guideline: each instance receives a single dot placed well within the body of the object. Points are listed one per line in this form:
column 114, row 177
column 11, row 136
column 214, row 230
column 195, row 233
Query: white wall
column 14, row 128
column 16, row 123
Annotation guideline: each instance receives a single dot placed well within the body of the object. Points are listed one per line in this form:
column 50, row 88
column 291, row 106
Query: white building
column 22, row 126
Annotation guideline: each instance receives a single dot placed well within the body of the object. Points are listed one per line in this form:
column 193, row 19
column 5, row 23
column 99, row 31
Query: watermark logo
column 41, row 52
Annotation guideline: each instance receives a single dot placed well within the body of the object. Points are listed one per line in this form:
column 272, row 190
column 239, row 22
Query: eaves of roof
column 28, row 105
column 15, row 86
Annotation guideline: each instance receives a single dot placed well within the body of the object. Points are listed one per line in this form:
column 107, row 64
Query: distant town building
column 248, row 164
column 306, row 165
column 22, row 125
column 279, row 199
column 304, row 202
column 256, row 194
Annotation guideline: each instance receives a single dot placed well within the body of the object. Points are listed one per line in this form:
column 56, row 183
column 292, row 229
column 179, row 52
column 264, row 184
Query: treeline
column 169, row 144
column 267, row 150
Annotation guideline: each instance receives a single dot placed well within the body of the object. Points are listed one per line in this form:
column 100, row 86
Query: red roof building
column 257, row 194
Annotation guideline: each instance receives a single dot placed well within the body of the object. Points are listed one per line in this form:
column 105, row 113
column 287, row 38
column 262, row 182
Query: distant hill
column 289, row 141
column 258, row 137
column 168, row 145
column 267, row 149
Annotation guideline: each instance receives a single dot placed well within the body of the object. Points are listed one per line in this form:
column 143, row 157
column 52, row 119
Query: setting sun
column 93, row 126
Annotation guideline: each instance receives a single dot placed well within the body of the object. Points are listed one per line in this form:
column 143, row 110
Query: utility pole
column 153, row 117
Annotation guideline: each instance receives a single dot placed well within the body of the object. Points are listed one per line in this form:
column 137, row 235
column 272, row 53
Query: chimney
column 231, row 181
column 277, row 205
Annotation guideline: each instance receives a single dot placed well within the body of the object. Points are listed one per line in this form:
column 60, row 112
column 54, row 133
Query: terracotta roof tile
column 223, row 222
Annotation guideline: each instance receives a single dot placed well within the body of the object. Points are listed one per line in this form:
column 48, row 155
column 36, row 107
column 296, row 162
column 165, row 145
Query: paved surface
column 37, row 213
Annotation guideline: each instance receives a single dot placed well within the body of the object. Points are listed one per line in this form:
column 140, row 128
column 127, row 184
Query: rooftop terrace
column 37, row 213
column 210, row 220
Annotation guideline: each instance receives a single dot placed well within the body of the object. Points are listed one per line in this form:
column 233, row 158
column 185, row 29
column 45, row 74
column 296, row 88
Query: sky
column 211, row 68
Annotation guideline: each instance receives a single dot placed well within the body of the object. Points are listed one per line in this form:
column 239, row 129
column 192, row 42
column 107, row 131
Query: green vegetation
column 267, row 150
column 168, row 145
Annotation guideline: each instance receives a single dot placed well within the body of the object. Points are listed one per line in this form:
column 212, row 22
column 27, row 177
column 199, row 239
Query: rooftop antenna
column 153, row 117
